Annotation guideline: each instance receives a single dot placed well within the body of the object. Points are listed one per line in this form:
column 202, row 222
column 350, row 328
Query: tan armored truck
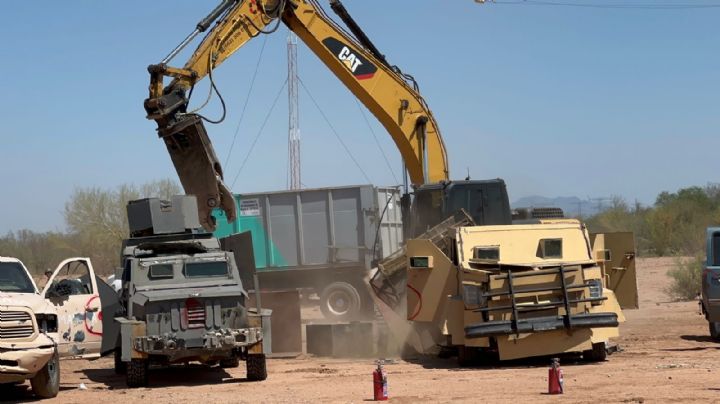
column 544, row 287
column 28, row 332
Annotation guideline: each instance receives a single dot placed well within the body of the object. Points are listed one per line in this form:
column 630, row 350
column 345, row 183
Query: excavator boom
column 382, row 88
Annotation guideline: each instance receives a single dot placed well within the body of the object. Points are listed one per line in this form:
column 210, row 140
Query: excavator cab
column 486, row 202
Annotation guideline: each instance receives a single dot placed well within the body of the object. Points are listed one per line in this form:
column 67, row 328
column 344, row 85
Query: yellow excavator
column 391, row 95
column 469, row 278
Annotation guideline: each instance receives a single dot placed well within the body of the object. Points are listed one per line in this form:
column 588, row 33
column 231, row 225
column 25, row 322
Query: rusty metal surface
column 198, row 168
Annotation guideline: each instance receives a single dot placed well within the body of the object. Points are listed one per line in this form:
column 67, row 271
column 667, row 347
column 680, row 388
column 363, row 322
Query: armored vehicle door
column 616, row 253
column 73, row 290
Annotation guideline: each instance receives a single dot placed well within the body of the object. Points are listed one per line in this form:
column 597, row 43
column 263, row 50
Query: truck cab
column 28, row 332
column 710, row 301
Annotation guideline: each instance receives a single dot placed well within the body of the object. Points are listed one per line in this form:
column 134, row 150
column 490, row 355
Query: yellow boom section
column 400, row 109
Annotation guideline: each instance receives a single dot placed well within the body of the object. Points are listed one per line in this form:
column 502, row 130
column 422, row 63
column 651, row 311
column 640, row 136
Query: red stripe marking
column 99, row 314
column 419, row 306
column 364, row 76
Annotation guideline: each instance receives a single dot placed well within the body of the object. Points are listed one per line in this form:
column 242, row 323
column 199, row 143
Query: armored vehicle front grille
column 15, row 325
column 195, row 313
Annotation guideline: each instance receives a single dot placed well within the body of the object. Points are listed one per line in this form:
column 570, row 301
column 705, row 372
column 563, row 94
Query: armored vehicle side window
column 205, row 269
column 550, row 248
column 716, row 249
column 487, row 253
column 14, row 279
column 161, row 271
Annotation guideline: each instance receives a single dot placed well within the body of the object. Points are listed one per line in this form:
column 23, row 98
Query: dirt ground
column 667, row 357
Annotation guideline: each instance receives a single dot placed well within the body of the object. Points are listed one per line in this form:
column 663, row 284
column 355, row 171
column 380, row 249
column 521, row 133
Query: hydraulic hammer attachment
column 198, row 168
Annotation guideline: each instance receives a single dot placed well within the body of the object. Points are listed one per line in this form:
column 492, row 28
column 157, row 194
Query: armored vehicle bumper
column 495, row 328
column 211, row 343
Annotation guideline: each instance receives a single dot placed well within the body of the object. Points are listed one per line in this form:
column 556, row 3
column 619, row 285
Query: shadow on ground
column 21, row 393
column 192, row 375
column 699, row 338
column 481, row 362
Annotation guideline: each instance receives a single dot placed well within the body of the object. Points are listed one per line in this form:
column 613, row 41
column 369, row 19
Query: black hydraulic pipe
column 344, row 15
column 217, row 12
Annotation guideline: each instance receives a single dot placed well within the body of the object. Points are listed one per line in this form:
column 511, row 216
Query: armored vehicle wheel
column 46, row 382
column 256, row 370
column 230, row 362
column 715, row 330
column 340, row 301
column 137, row 373
column 120, row 366
column 598, row 353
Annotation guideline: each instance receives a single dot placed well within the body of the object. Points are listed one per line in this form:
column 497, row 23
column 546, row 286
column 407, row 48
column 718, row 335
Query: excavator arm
column 382, row 88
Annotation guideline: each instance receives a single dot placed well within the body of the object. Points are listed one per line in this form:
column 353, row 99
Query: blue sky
column 555, row 100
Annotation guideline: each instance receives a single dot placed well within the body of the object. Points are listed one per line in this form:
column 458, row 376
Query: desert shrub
column 686, row 278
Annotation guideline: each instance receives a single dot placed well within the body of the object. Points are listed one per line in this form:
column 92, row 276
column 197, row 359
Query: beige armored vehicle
column 544, row 287
column 28, row 332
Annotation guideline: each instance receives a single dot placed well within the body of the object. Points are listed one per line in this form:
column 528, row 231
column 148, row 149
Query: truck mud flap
column 539, row 324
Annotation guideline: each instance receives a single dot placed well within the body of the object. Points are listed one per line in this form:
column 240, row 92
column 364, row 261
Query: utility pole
column 293, row 180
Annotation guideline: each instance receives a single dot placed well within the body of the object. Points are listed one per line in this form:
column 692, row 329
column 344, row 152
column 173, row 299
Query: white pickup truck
column 28, row 332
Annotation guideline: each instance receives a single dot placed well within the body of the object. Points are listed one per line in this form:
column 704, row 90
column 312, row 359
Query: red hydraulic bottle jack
column 555, row 378
column 380, row 387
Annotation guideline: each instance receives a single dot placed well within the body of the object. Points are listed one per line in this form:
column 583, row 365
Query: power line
column 332, row 128
column 637, row 6
column 262, row 127
column 377, row 142
column 247, row 99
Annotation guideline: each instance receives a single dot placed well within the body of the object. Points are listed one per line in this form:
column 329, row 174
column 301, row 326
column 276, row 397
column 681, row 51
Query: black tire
column 598, row 353
column 256, row 369
column 46, row 383
column 229, row 363
column 714, row 330
column 340, row 301
column 137, row 373
column 120, row 367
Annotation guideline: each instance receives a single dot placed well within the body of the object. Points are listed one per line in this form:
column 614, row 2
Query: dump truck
column 325, row 240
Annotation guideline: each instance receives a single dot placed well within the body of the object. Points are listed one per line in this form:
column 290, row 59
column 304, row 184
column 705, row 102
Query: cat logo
column 351, row 61
column 358, row 65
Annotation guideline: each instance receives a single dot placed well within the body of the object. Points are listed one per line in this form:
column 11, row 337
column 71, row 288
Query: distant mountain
column 571, row 205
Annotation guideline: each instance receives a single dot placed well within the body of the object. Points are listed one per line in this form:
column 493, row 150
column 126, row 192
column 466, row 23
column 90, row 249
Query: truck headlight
column 46, row 322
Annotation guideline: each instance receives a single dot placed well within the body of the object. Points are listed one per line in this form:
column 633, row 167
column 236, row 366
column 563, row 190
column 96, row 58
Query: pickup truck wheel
column 230, row 362
column 340, row 301
column 715, row 330
column 256, row 369
column 120, row 367
column 46, row 383
column 598, row 353
column 137, row 373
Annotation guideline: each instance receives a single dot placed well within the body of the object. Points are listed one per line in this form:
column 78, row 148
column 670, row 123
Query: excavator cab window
column 486, row 201
column 427, row 210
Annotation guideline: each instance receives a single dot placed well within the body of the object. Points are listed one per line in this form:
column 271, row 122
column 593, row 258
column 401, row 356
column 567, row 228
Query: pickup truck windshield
column 13, row 278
